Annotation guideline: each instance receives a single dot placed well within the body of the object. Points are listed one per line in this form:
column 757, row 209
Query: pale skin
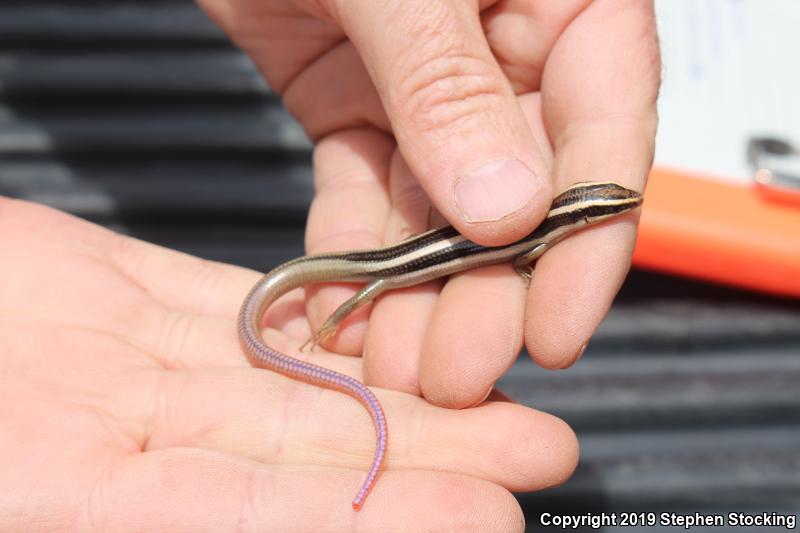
column 409, row 96
column 127, row 402
column 127, row 405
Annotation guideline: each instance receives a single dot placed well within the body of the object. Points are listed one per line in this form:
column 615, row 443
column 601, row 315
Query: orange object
column 720, row 232
column 776, row 192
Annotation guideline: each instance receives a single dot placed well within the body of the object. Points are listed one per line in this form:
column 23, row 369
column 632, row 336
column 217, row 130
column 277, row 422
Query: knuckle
column 447, row 89
column 440, row 80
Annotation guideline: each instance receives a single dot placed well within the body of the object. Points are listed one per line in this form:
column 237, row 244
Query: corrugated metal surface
column 687, row 399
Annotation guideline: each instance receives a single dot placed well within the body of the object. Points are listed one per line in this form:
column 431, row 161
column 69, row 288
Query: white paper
column 731, row 71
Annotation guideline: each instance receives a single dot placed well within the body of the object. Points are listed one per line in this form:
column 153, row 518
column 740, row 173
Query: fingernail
column 495, row 190
column 580, row 353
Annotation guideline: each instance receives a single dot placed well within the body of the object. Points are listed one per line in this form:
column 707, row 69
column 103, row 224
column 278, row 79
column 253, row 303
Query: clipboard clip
column 777, row 169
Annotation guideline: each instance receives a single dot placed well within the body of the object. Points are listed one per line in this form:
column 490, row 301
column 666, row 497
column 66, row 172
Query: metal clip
column 777, row 165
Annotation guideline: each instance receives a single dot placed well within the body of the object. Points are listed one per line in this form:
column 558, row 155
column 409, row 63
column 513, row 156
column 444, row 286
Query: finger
column 476, row 330
column 180, row 281
column 474, row 336
column 274, row 419
column 348, row 213
column 399, row 319
column 348, row 101
column 282, row 40
column 496, row 395
column 521, row 34
column 200, row 490
column 395, row 337
column 605, row 133
column 453, row 113
column 297, row 62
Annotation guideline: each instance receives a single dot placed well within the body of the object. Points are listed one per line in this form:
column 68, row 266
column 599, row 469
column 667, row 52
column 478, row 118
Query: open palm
column 128, row 405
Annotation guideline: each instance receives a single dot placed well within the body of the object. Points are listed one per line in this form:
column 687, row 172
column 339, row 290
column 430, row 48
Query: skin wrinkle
column 287, row 88
column 206, row 281
column 351, row 179
column 165, row 401
column 150, row 349
column 409, row 205
column 535, row 66
column 247, row 30
column 131, row 316
column 599, row 131
column 523, row 77
column 329, row 242
column 100, row 485
column 247, row 518
column 88, row 517
column 436, row 51
column 122, row 339
column 354, row 98
column 71, row 398
column 429, row 25
column 129, row 249
column 40, row 469
column 129, row 257
column 449, row 93
column 127, row 440
column 278, row 450
column 89, row 410
column 205, row 285
column 325, row 9
column 172, row 337
column 411, row 435
column 517, row 74
column 577, row 130
column 274, row 449
column 158, row 349
column 453, row 65
column 349, row 142
column 444, row 113
column 408, row 217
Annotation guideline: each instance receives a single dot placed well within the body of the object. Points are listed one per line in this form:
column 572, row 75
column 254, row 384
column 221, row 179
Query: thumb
column 455, row 116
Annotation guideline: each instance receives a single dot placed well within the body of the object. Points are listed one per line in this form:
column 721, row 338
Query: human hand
column 544, row 93
column 127, row 405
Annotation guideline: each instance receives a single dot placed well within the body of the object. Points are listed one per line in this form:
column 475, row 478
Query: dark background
column 142, row 117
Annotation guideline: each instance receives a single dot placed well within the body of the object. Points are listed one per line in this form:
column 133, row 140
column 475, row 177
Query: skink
column 428, row 256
